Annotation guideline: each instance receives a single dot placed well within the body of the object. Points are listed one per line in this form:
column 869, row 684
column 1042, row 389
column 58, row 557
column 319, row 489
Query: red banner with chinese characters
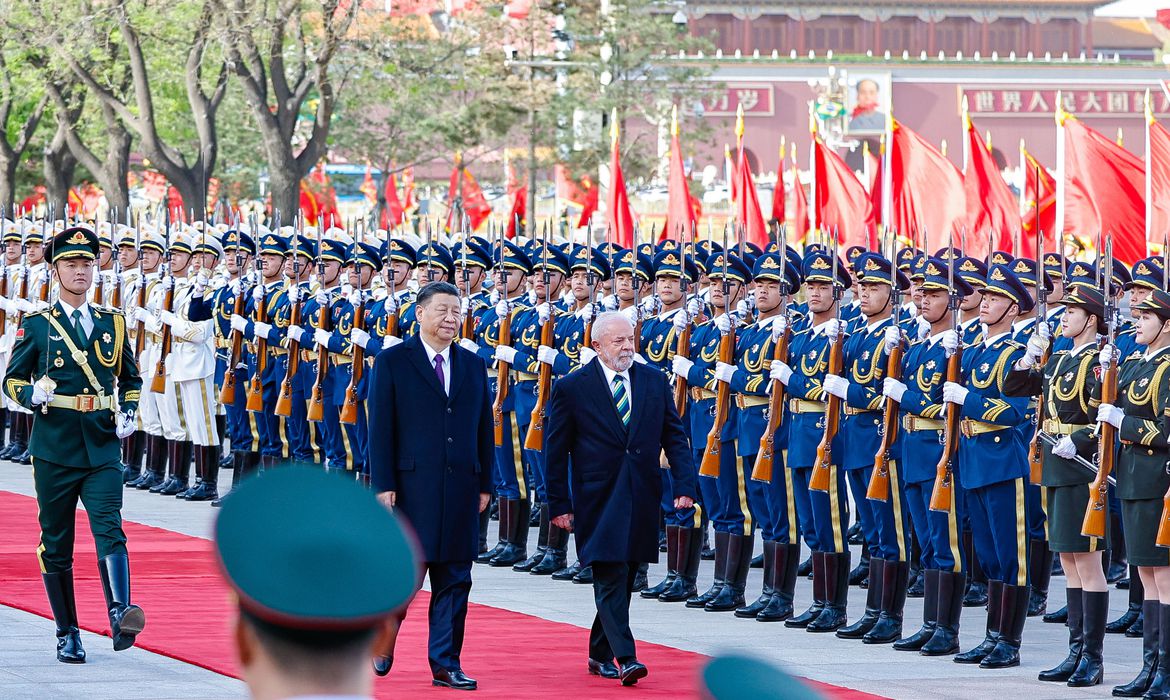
column 755, row 98
column 1111, row 101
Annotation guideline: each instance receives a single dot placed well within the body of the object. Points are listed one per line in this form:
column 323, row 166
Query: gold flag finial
column 1149, row 108
column 674, row 120
column 783, row 146
column 1062, row 115
column 739, row 123
column 613, row 127
column 966, row 115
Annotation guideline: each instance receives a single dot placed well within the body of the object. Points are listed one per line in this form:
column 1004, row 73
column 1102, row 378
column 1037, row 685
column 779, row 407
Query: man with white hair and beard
column 610, row 497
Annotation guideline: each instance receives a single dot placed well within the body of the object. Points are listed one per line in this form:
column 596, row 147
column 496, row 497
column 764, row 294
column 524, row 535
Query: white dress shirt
column 86, row 318
column 610, row 374
column 446, row 355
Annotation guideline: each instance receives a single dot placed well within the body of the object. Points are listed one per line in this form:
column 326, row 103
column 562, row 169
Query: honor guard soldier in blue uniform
column 993, row 466
column 776, row 280
column 823, row 515
column 383, row 316
column 973, row 271
column 433, row 264
column 73, row 365
column 884, row 523
column 1070, row 390
column 326, row 437
column 730, row 518
column 919, row 396
column 292, row 640
column 298, row 440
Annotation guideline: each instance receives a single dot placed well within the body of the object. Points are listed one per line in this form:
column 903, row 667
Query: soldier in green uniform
column 73, row 366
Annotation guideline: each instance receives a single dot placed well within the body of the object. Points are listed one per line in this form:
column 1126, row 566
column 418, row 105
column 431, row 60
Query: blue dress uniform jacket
column 864, row 367
column 614, row 487
column 432, row 449
column 1002, row 454
column 924, row 370
column 808, row 355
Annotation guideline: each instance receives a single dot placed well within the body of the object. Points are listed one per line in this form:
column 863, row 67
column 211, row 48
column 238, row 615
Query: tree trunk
column 8, row 184
column 285, row 188
column 58, row 165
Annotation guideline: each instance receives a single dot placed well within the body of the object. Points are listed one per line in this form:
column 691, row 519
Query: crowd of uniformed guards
column 964, row 419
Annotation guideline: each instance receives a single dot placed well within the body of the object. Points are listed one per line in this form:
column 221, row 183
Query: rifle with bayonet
column 1094, row 522
column 227, row 393
column 711, row 454
column 682, row 347
column 316, row 410
column 942, row 495
column 260, row 315
column 819, row 480
column 879, row 480
column 504, row 338
column 284, row 399
column 1035, row 448
column 766, row 457
column 534, row 440
column 349, row 407
column 159, row 384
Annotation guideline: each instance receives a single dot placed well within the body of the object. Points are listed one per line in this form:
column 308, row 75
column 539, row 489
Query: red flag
column 991, row 206
column 1039, row 193
column 393, row 213
column 368, row 188
column 1104, row 187
column 1158, row 163
column 568, row 190
column 322, row 210
column 747, row 202
column 475, row 205
column 519, row 212
column 310, row 205
column 681, row 215
column 927, row 193
column 408, row 189
column 589, row 206
column 778, row 193
column 799, row 202
column 873, row 165
column 841, row 200
column 621, row 219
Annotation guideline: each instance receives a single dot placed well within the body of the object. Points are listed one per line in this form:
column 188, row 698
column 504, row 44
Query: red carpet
column 189, row 609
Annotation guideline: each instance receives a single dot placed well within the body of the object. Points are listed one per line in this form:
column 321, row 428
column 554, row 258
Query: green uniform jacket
column 62, row 435
column 1143, row 389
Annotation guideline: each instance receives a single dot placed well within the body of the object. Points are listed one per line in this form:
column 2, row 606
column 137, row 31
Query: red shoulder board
column 1097, row 372
column 19, row 333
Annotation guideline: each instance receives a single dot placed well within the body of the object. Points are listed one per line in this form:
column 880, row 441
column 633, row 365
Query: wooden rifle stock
column 4, row 293
column 682, row 348
column 1035, row 450
column 766, row 457
column 819, row 481
column 99, row 293
column 140, row 331
column 534, row 440
column 227, row 393
column 316, row 409
column 284, row 399
column 1163, row 537
column 349, row 408
column 942, row 494
column 1098, row 508
column 502, row 371
column 159, row 383
column 256, row 386
column 879, row 480
column 710, row 463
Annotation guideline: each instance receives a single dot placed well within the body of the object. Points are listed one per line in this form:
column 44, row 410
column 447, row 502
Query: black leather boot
column 671, row 564
column 1135, row 611
column 1150, row 642
column 1160, row 685
column 977, row 593
column 180, row 469
column 820, row 598
column 155, row 455
column 508, row 515
column 126, row 619
column 173, row 452
column 701, row 600
column 779, row 608
column 895, row 581
column 1014, row 612
column 1058, row 616
column 1076, row 642
column 555, row 552
column 769, row 587
column 916, row 641
column 690, row 542
column 641, row 578
column 208, row 487
column 541, row 540
column 59, row 588
column 991, row 637
column 945, row 640
column 516, row 550
column 860, row 575
column 833, row 617
column 739, row 560
column 1091, row 669
column 806, row 568
column 1039, row 575
column 503, row 536
column 873, row 599
column 133, row 451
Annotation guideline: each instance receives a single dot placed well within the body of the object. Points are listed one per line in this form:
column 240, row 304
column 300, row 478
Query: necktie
column 621, row 400
column 78, row 330
column 439, row 372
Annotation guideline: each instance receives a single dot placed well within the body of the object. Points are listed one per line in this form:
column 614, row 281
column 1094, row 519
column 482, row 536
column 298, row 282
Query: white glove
column 359, row 337
column 356, row 297
column 494, row 297
column 295, row 333
column 893, row 338
column 294, row 294
column 923, row 328
column 501, row 309
column 630, row 313
column 652, row 306
column 833, row 329
column 779, row 325
column 1065, row 448
column 743, row 309
column 238, row 323
column 780, row 372
column 464, row 306
column 5, row 305
column 168, row 318
column 467, row 344
column 321, row 337
column 543, row 311
column 141, row 314
column 40, row 396
column 322, row 298
column 262, row 329
column 39, row 306
column 1107, row 355
column 1108, row 413
column 950, row 341
column 201, row 281
column 124, row 425
column 680, row 321
column 234, row 285
column 610, row 302
column 954, row 393
column 1043, row 330
column 258, row 292
column 724, row 372
column 1035, row 348
column 546, row 354
column 693, row 308
column 724, row 323
column 586, row 313
column 168, row 283
column 391, row 341
column 681, row 366
column 894, row 389
column 531, row 297
column 835, row 385
column 505, row 354
column 25, row 306
column 586, row 356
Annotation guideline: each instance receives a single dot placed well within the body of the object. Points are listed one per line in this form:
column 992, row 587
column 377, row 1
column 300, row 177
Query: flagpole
column 1024, row 183
column 1060, row 167
column 812, row 168
column 887, row 173
column 1148, row 175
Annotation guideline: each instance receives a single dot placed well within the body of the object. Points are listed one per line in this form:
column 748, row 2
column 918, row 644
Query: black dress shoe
column 383, row 664
column 453, row 679
column 567, row 573
column 976, row 596
column 585, row 575
column 632, row 672
column 69, row 649
column 1057, row 616
column 605, row 669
